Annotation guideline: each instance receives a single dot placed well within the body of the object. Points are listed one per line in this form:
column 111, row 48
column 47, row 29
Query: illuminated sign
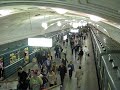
column 42, row 42
column 74, row 30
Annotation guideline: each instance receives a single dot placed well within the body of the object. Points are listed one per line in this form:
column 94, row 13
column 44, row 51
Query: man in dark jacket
column 22, row 79
column 70, row 68
column 62, row 69
column 64, row 61
column 80, row 54
column 39, row 58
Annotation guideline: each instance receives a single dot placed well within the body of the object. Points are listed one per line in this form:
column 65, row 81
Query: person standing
column 51, row 78
column 78, row 75
column 62, row 69
column 39, row 58
column 1, row 69
column 54, row 67
column 70, row 68
column 35, row 81
column 48, row 64
column 44, row 69
column 45, row 80
column 22, row 79
column 86, row 51
column 64, row 61
column 72, row 44
column 65, row 52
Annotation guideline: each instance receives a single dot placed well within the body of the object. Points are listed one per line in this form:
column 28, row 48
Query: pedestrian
column 86, row 51
column 1, row 68
column 71, row 69
column 35, row 81
column 45, row 80
column 54, row 67
column 56, row 49
column 65, row 52
column 62, row 69
column 48, row 64
column 60, row 50
column 44, row 69
column 78, row 75
column 51, row 78
column 66, row 41
column 80, row 55
column 63, row 43
column 64, row 61
column 22, row 79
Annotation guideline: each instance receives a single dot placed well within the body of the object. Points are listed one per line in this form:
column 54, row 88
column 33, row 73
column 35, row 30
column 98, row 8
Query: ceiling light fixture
column 75, row 25
column 84, row 23
column 80, row 24
column 60, row 10
column 59, row 23
column 95, row 18
column 90, row 22
column 70, row 23
column 5, row 12
column 44, row 25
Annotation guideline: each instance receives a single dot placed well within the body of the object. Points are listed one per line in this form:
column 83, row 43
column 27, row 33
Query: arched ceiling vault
column 26, row 16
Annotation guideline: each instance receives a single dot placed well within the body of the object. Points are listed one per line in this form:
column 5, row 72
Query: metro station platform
column 89, row 79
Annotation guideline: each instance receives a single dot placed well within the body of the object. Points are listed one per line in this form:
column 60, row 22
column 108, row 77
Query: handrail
column 49, row 88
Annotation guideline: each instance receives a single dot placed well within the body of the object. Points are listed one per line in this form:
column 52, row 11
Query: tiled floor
column 89, row 78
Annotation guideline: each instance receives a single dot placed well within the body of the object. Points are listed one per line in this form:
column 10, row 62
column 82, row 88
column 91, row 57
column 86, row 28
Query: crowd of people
column 48, row 71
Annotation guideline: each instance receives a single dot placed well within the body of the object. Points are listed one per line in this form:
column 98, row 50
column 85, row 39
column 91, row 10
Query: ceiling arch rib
column 87, row 8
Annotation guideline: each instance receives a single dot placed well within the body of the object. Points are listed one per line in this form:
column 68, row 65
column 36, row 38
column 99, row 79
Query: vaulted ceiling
column 22, row 19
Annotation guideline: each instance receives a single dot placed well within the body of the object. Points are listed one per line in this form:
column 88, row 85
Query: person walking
column 35, row 81
column 71, row 69
column 64, row 61
column 56, row 49
column 45, row 81
column 78, row 75
column 86, row 51
column 65, row 52
column 62, row 69
column 80, row 55
column 48, row 64
column 54, row 67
